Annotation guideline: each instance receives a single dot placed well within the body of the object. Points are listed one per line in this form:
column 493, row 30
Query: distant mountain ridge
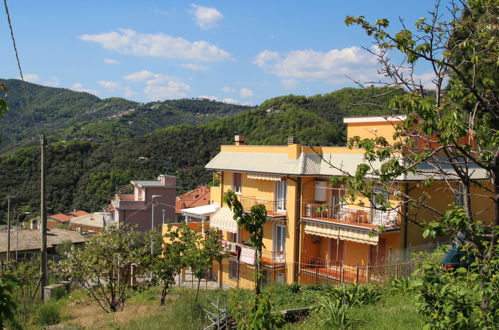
column 66, row 114
column 85, row 175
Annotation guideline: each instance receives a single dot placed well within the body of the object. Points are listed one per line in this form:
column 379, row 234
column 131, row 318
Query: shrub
column 47, row 314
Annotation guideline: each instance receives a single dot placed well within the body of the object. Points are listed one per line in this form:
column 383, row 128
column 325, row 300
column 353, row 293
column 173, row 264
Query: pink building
column 150, row 204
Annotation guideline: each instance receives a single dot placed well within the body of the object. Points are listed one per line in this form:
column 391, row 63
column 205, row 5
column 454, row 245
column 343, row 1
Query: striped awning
column 266, row 177
column 223, row 219
column 347, row 234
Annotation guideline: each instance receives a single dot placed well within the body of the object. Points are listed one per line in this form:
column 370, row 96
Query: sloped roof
column 96, row 219
column 30, row 239
column 65, row 217
column 328, row 164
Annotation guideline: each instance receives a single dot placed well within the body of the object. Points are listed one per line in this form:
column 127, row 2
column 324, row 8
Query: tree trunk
column 258, row 269
column 163, row 295
column 197, row 292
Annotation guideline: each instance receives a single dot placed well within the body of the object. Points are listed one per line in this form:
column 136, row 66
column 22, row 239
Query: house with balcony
column 310, row 228
column 151, row 204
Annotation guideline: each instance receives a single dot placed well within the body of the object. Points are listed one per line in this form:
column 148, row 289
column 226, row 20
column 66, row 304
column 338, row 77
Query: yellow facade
column 350, row 233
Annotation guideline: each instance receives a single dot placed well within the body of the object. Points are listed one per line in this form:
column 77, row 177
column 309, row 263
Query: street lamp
column 17, row 231
column 163, row 216
column 153, row 197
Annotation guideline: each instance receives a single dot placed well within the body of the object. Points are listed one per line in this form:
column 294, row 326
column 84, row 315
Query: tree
column 201, row 252
column 3, row 106
column 7, row 301
column 253, row 223
column 453, row 130
column 103, row 266
column 166, row 266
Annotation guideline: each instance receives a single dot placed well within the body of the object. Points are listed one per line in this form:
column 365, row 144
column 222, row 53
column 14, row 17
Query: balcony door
column 280, row 196
column 279, row 243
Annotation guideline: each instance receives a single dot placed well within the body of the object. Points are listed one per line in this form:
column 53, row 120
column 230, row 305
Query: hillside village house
column 58, row 219
column 150, row 203
column 308, row 225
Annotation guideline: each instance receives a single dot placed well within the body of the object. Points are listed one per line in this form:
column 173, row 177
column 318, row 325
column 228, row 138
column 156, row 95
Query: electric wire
column 23, row 86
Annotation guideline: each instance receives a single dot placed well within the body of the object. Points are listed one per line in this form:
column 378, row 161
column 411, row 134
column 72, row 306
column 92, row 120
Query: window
column 459, row 194
column 337, row 248
column 280, row 196
column 233, row 269
column 236, row 185
column 232, row 237
column 279, row 243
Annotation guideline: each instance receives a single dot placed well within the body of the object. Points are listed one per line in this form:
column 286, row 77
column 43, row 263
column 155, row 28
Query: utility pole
column 43, row 220
column 8, row 227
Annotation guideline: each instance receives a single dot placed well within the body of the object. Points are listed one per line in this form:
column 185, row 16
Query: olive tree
column 103, row 266
column 252, row 222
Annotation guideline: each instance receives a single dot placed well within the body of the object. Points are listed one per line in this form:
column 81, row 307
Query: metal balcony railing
column 362, row 217
column 273, row 207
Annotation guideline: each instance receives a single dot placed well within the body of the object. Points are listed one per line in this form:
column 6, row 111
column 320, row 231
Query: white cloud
column 206, row 17
column 228, row 89
column 195, row 67
column 246, row 92
column 31, row 77
column 161, row 12
column 127, row 41
column 111, row 85
column 264, row 57
column 129, row 93
column 171, row 90
column 139, row 76
column 110, row 61
column 53, row 81
column 333, row 66
column 230, row 101
column 208, row 97
column 289, row 83
column 159, row 86
column 78, row 86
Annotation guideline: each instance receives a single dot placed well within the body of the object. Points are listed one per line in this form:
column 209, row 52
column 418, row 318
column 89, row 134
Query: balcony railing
column 268, row 257
column 273, row 207
column 367, row 217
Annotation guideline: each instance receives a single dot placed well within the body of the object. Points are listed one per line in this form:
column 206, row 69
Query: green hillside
column 63, row 114
column 84, row 174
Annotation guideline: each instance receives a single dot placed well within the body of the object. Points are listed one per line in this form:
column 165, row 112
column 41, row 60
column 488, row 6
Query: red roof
column 197, row 197
column 65, row 217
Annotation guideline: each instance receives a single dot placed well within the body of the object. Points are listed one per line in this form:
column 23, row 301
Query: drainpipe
column 222, row 189
column 297, row 226
column 405, row 216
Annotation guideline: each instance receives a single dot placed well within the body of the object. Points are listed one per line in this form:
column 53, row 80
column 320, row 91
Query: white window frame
column 237, row 189
column 279, row 242
column 280, row 201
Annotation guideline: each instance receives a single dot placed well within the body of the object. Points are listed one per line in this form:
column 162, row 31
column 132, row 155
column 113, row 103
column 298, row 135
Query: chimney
column 292, row 140
column 239, row 140
column 167, row 180
column 294, row 148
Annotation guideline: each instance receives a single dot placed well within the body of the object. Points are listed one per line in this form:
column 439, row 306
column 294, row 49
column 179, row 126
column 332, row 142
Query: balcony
column 366, row 217
column 269, row 258
column 275, row 209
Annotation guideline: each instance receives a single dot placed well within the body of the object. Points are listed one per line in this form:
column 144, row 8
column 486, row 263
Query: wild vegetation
column 85, row 174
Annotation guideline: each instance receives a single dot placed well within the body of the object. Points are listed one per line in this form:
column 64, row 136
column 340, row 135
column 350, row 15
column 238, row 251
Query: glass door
column 279, row 243
column 280, row 194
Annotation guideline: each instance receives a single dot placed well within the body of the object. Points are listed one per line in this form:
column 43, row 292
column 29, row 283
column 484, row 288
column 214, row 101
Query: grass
column 395, row 310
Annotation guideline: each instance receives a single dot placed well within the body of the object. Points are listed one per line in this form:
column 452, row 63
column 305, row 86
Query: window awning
column 266, row 177
column 347, row 234
column 223, row 219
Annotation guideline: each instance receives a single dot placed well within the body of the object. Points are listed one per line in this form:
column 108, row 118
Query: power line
column 20, row 67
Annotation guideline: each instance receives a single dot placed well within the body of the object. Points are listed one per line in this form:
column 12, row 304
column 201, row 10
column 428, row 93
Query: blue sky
column 236, row 51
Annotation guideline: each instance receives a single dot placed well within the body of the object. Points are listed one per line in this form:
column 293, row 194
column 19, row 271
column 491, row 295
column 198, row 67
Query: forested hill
column 84, row 174
column 63, row 114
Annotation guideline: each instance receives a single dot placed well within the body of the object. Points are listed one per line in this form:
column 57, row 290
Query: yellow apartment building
column 309, row 225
